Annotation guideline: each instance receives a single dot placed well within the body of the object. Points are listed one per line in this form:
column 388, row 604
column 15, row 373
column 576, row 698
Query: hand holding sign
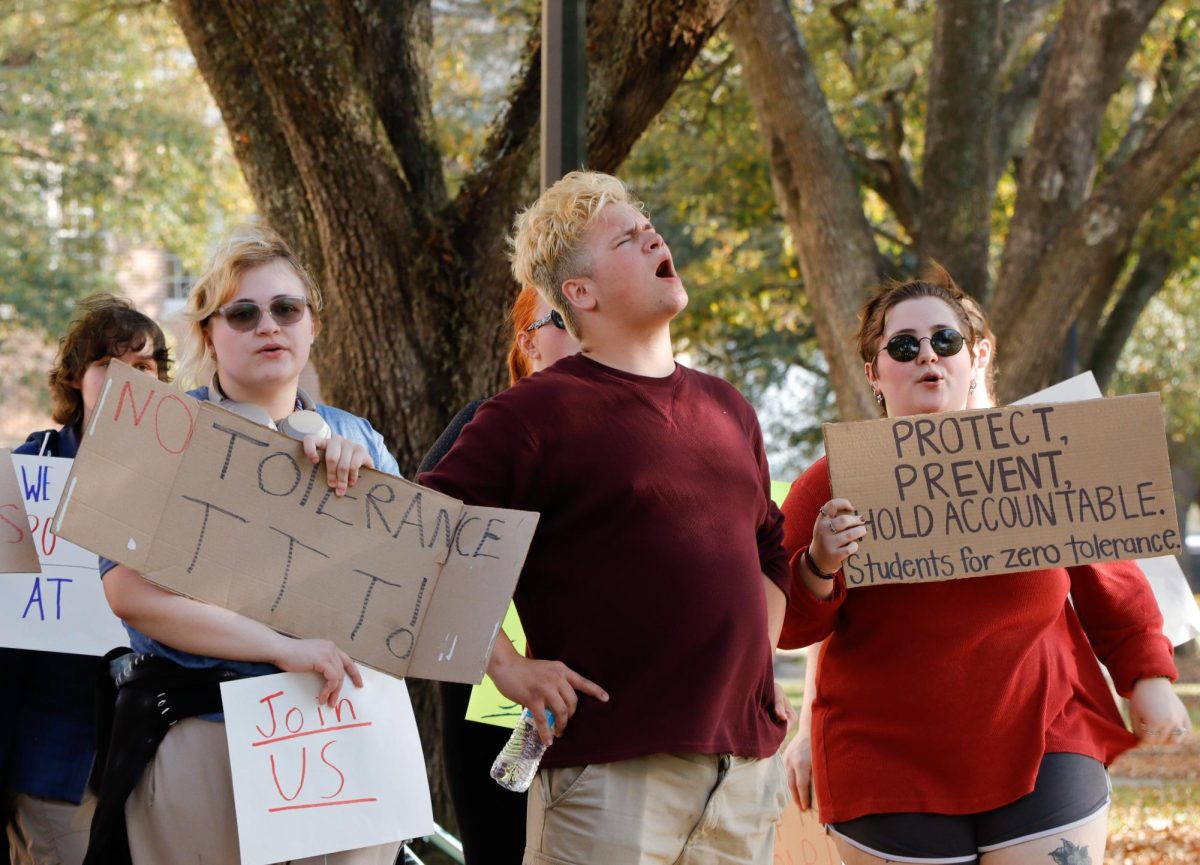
column 836, row 533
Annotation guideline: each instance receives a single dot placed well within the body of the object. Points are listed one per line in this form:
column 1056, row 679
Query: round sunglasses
column 245, row 315
column 904, row 347
column 553, row 317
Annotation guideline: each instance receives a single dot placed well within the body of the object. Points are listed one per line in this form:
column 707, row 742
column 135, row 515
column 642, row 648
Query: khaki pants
column 49, row 832
column 665, row 809
column 181, row 812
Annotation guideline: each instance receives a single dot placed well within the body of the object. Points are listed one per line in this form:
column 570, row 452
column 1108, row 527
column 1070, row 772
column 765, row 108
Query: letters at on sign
column 60, row 608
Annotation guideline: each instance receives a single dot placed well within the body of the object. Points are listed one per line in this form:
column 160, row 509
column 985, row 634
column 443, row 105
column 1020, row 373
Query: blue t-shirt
column 341, row 423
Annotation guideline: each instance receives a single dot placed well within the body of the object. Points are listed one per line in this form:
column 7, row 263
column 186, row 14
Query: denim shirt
column 341, row 423
column 48, row 729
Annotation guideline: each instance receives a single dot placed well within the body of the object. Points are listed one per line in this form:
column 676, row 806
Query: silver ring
column 1179, row 731
column 830, row 522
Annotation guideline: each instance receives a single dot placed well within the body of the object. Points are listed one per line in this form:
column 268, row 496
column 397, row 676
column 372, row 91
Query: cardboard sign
column 487, row 705
column 310, row 780
column 993, row 491
column 800, row 839
column 1181, row 614
column 61, row 607
column 18, row 554
column 213, row 506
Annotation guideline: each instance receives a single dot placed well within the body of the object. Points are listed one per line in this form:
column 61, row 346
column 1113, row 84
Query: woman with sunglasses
column 491, row 820
column 252, row 319
column 966, row 720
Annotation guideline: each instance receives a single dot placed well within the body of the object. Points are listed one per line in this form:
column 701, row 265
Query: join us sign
column 309, row 779
column 61, row 608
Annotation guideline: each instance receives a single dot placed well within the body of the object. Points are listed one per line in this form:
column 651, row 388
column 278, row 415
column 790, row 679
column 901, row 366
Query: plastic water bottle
column 518, row 760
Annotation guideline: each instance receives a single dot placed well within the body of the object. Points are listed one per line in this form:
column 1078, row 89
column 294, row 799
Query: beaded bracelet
column 812, row 566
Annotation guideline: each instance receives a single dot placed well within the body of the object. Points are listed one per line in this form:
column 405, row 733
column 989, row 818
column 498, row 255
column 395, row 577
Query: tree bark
column 1148, row 277
column 329, row 108
column 958, row 187
column 1094, row 41
column 814, row 185
column 1033, row 333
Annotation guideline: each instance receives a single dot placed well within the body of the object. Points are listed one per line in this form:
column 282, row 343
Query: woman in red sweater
column 968, row 720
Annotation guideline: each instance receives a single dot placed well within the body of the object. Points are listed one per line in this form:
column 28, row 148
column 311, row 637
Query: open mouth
column 272, row 350
column 666, row 270
column 930, row 378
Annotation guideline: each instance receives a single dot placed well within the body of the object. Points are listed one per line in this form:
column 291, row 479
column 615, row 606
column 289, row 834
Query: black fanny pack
column 153, row 694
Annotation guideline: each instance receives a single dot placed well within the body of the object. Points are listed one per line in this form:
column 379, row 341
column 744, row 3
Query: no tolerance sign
column 991, row 491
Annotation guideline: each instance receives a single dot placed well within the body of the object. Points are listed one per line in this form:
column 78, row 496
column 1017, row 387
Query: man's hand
column 784, row 711
column 541, row 685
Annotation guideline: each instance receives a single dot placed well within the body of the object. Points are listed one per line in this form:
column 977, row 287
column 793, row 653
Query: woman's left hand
column 343, row 459
column 1158, row 715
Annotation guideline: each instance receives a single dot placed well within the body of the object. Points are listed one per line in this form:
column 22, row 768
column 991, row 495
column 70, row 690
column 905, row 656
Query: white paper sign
column 1181, row 615
column 63, row 608
column 310, row 780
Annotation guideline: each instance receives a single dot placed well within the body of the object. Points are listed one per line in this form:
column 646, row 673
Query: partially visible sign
column 487, row 705
column 310, row 780
column 216, row 507
column 992, row 491
column 61, row 606
column 1181, row 614
column 800, row 839
column 18, row 554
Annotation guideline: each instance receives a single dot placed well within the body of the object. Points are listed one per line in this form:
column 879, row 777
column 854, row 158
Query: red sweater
column 942, row 697
column 646, row 571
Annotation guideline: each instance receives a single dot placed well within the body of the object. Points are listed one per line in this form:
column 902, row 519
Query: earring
column 973, row 383
column 879, row 397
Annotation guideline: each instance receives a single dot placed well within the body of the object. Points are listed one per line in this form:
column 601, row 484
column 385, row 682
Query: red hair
column 522, row 316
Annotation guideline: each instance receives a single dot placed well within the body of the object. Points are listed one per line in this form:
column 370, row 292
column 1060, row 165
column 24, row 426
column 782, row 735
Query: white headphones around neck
column 304, row 421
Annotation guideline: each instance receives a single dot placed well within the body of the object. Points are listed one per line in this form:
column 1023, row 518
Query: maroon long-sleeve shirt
column 646, row 571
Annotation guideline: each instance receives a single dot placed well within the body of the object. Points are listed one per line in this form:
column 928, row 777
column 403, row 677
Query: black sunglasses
column 904, row 347
column 552, row 317
column 245, row 315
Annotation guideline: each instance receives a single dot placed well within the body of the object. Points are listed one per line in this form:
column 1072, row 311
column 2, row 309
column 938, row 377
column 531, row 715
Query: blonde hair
column 245, row 247
column 547, row 239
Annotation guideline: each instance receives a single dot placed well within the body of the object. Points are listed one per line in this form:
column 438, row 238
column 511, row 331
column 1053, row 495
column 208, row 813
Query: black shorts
column 1070, row 790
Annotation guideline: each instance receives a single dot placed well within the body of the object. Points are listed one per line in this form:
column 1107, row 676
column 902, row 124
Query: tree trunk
column 1094, row 41
column 1148, row 277
column 328, row 104
column 815, row 188
column 1033, row 333
column 958, row 186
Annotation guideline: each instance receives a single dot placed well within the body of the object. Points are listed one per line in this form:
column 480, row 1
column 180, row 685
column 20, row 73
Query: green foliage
column 107, row 135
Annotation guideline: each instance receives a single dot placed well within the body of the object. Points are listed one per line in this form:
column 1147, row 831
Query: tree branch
column 391, row 44
column 1153, row 267
column 1094, row 42
column 957, row 188
column 814, row 185
column 1019, row 19
column 1089, row 242
column 1016, row 108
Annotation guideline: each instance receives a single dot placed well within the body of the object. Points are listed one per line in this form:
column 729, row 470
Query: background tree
column 103, row 138
column 988, row 71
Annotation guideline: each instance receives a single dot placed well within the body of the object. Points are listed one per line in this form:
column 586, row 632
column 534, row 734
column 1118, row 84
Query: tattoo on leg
column 1070, row 854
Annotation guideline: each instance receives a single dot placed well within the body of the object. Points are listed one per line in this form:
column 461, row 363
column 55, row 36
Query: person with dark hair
column 966, row 720
column 491, row 820
column 48, row 731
